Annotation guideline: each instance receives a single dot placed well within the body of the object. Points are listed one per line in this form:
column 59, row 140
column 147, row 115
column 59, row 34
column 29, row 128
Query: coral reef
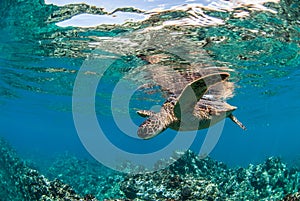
column 191, row 178
column 188, row 178
column 19, row 182
column 87, row 177
column 292, row 197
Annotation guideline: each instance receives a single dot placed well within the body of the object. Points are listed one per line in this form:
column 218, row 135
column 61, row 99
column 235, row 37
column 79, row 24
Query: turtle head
column 154, row 125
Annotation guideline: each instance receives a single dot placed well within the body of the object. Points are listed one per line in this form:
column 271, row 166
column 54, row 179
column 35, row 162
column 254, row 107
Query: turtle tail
column 235, row 120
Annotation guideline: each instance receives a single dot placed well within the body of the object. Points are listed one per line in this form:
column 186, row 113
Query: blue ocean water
column 39, row 62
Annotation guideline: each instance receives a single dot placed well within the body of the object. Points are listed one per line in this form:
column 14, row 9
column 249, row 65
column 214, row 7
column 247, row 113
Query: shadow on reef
column 189, row 178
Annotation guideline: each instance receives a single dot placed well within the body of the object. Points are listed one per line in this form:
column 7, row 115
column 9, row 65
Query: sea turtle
column 191, row 109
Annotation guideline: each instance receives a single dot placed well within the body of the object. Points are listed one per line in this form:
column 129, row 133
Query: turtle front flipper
column 192, row 93
column 145, row 113
column 235, row 120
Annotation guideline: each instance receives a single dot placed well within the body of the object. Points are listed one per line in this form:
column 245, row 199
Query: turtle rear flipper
column 192, row 93
column 235, row 120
